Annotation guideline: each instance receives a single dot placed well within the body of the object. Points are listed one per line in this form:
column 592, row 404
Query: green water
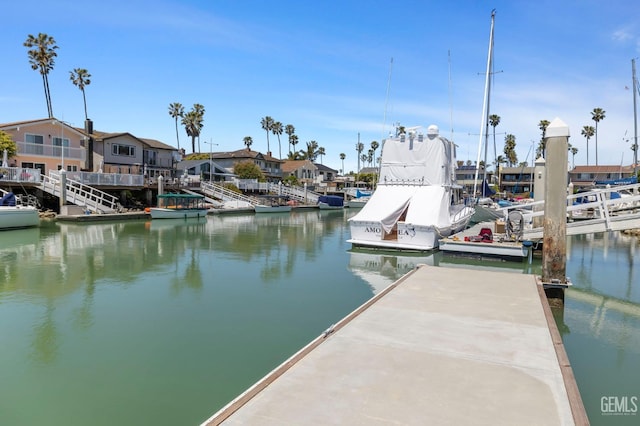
column 164, row 322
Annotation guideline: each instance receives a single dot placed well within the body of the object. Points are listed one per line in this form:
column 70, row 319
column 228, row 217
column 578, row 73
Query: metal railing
column 300, row 194
column 219, row 192
column 51, row 151
column 20, row 174
column 106, row 179
column 587, row 212
column 80, row 194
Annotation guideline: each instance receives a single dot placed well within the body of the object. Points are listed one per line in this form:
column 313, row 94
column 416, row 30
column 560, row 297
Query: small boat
column 179, row 206
column 14, row 215
column 330, row 202
column 273, row 204
column 359, row 200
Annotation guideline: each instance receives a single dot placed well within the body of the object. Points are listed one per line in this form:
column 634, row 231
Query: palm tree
column 267, row 124
column 42, row 58
column 192, row 122
column 293, row 140
column 80, row 78
column 276, row 128
column 199, row 110
column 374, row 146
column 510, row 149
column 364, row 158
column 289, row 130
column 494, row 120
column 359, row 149
column 342, row 157
column 574, row 151
column 541, row 150
column 588, row 132
column 596, row 115
column 248, row 141
column 312, row 151
column 321, row 152
column 176, row 110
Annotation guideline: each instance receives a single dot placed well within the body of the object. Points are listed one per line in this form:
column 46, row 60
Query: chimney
column 88, row 129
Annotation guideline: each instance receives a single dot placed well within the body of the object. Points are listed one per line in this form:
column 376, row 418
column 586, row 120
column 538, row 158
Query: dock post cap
column 557, row 128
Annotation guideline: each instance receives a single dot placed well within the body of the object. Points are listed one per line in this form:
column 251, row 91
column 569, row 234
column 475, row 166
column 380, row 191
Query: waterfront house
column 303, row 170
column 201, row 169
column 516, row 180
column 47, row 144
column 587, row 176
column 325, row 173
column 52, row 144
column 270, row 166
column 124, row 153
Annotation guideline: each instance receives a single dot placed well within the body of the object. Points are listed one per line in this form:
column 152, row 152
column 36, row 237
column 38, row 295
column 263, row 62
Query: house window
column 123, row 150
column 58, row 144
column 34, row 144
column 150, row 157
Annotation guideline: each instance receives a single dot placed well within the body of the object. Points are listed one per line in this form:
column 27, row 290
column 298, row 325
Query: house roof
column 152, row 143
column 602, row 169
column 39, row 121
column 187, row 164
column 290, row 165
column 243, row 154
column 324, row 168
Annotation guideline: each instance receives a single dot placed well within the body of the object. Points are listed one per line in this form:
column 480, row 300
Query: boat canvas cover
column 430, row 162
column 332, row 200
column 8, row 199
column 386, row 205
column 429, row 206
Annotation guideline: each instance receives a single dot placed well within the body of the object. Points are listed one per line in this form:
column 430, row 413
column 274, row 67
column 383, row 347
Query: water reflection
column 381, row 269
column 73, row 261
column 211, row 305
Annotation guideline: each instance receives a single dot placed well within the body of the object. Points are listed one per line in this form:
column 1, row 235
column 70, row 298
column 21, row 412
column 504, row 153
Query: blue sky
column 325, row 67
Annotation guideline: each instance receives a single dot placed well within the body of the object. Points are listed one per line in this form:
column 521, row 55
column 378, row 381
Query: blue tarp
column 621, row 181
column 332, row 200
column 9, row 199
column 486, row 189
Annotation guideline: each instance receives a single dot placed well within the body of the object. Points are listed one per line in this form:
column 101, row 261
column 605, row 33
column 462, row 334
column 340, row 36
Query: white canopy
column 417, row 159
column 386, row 205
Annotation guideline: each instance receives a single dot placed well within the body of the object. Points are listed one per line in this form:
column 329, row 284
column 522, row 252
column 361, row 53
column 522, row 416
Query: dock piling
column 554, row 250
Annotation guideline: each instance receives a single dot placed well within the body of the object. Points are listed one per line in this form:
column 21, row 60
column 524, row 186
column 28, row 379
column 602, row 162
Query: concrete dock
column 439, row 346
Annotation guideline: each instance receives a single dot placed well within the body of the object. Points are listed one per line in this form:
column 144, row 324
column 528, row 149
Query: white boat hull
column 162, row 213
column 325, row 206
column 18, row 217
column 408, row 236
column 272, row 209
column 357, row 203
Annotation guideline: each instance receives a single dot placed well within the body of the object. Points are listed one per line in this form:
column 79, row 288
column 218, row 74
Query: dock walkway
column 439, row 346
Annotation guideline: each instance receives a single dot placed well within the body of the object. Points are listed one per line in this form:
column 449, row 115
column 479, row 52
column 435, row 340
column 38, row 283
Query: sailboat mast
column 635, row 119
column 485, row 107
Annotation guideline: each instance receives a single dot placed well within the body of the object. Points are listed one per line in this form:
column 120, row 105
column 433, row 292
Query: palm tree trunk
column 84, row 99
column 177, row 136
column 48, row 94
column 596, row 143
column 46, row 97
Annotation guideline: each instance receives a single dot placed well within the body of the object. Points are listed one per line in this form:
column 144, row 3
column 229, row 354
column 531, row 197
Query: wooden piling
column 554, row 251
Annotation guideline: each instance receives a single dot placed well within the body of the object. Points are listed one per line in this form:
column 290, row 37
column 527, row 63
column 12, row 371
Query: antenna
column 386, row 101
column 450, row 97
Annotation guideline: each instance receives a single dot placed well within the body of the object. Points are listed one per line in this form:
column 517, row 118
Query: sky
column 338, row 71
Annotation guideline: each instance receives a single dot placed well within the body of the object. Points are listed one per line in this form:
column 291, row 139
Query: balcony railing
column 51, row 151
